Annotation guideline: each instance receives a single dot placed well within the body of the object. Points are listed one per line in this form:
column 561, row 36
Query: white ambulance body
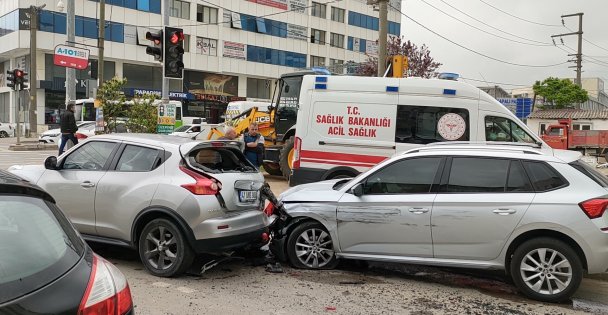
column 346, row 125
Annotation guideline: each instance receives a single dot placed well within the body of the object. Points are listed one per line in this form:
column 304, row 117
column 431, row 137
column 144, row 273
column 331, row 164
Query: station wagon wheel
column 546, row 269
column 163, row 249
column 310, row 246
column 3, row 134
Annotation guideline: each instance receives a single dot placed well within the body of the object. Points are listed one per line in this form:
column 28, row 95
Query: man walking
column 68, row 127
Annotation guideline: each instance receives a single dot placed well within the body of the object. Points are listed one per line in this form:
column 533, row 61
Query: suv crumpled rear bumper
column 227, row 243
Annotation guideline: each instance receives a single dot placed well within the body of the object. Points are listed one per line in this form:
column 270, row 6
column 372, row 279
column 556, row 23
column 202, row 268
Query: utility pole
column 382, row 33
column 579, row 53
column 34, row 79
column 165, row 89
column 101, row 41
column 70, row 73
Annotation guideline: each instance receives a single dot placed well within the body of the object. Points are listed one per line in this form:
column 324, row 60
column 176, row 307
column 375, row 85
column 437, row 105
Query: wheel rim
column 546, row 271
column 290, row 158
column 314, row 248
column 161, row 248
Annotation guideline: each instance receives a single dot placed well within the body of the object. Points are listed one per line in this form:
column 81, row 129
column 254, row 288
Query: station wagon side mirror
column 357, row 190
column 50, row 163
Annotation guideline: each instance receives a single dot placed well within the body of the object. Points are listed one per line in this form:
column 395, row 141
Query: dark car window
column 518, row 180
column 90, row 156
column 37, row 245
column 504, row 129
column 220, row 160
column 590, row 172
column 419, row 124
column 478, row 175
column 543, row 176
column 412, row 176
column 137, row 159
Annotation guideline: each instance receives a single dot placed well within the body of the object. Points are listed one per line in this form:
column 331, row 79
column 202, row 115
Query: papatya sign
column 71, row 57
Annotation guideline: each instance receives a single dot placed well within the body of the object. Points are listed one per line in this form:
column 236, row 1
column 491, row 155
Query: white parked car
column 186, row 131
column 6, row 130
column 54, row 135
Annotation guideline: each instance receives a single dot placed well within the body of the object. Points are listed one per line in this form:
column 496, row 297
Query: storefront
column 212, row 92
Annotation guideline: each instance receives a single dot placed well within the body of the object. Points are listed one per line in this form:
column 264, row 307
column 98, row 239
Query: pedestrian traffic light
column 10, row 79
column 93, row 64
column 398, row 66
column 156, row 49
column 21, row 80
column 174, row 52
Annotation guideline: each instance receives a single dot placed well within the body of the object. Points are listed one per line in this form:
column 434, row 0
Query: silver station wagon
column 167, row 197
column 540, row 216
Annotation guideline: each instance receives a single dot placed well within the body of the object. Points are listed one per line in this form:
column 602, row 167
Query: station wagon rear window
column 220, row 160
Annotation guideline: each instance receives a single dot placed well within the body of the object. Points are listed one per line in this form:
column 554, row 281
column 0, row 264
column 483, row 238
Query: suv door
column 132, row 178
column 74, row 184
column 393, row 215
column 480, row 203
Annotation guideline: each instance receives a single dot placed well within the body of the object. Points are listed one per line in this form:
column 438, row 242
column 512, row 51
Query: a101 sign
column 71, row 57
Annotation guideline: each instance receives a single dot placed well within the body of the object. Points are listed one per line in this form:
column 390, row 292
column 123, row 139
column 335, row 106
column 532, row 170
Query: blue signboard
column 172, row 95
column 521, row 107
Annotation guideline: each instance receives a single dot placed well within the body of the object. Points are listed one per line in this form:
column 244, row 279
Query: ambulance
column 345, row 125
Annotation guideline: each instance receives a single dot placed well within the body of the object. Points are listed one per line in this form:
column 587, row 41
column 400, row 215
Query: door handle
column 418, row 210
column 87, row 184
column 282, row 119
column 504, row 211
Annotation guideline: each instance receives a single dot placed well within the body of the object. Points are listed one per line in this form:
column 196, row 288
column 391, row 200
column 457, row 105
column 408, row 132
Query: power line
column 519, row 18
column 498, row 83
column 479, row 29
column 589, row 58
column 588, row 41
column 488, row 25
column 474, row 51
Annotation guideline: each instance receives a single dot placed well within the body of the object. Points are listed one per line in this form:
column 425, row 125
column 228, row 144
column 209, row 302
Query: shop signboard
column 166, row 118
column 71, row 57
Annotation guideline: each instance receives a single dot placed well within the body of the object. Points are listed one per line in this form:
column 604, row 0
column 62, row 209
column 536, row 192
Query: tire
column 176, row 245
column 321, row 257
column 284, row 157
column 527, row 262
column 3, row 134
column 272, row 169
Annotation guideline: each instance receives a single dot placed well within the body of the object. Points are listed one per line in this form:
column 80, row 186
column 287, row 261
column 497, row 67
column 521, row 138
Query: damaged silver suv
column 168, row 197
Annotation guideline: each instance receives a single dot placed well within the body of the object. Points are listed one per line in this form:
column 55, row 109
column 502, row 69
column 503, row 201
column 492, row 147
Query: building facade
column 234, row 49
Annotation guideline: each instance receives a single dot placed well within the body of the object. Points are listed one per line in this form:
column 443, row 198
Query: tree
column 560, row 93
column 112, row 101
column 420, row 62
column 143, row 115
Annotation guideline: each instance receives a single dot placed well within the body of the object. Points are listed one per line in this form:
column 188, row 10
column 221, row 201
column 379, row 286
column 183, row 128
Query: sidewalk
column 26, row 144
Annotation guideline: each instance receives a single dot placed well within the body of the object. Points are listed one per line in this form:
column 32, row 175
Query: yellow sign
column 166, row 120
column 97, row 103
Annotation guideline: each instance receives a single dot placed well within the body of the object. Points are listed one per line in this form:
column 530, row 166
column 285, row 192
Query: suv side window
column 543, row 176
column 91, row 156
column 504, row 129
column 418, row 124
column 411, row 176
column 518, row 181
column 478, row 175
column 137, row 159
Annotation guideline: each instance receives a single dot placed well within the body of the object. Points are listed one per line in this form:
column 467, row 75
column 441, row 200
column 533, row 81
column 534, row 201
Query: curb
column 32, row 147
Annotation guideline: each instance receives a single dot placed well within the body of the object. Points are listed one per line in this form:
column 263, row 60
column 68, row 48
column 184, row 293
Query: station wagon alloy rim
column 161, row 248
column 546, row 271
column 314, row 248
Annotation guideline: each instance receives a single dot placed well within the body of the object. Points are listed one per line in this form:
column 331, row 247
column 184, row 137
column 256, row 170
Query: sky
column 522, row 19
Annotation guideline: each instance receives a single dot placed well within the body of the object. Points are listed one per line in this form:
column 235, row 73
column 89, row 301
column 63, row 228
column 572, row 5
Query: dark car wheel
column 163, row 249
column 310, row 247
column 546, row 269
column 3, row 134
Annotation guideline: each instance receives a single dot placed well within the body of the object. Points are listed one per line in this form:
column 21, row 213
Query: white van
column 345, row 125
column 238, row 107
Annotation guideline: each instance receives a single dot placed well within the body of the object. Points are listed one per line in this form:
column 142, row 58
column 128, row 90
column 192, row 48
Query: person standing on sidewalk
column 68, row 128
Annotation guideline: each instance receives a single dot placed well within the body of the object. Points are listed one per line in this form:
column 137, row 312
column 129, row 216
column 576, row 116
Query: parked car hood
column 31, row 173
column 313, row 192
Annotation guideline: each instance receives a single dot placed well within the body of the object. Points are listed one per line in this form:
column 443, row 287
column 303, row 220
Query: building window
column 318, row 10
column 275, row 57
column 337, row 14
column 258, row 88
column 336, row 65
column 581, row 126
column 186, row 43
column 372, row 23
column 542, row 129
column 317, row 36
column 206, row 14
column 336, row 40
column 179, row 9
column 316, row 61
column 206, row 46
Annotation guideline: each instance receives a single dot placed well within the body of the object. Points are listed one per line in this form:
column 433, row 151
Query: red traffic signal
column 156, row 49
column 174, row 52
column 176, row 37
column 19, row 73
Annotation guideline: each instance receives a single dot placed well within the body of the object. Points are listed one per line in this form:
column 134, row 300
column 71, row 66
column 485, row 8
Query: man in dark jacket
column 68, row 127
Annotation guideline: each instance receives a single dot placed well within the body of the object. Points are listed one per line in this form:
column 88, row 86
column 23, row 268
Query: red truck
column 561, row 136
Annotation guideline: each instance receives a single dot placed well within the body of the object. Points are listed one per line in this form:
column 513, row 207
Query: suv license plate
column 248, row 195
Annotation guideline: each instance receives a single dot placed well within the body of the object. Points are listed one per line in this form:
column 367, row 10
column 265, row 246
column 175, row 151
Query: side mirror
column 357, row 190
column 50, row 163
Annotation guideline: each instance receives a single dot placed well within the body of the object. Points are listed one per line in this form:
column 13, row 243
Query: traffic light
column 398, row 66
column 10, row 79
column 21, row 79
column 93, row 64
column 156, row 49
column 174, row 52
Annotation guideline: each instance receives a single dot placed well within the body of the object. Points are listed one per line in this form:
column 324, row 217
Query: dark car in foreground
column 45, row 266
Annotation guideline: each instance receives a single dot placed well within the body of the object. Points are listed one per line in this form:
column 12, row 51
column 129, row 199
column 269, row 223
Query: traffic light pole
column 165, row 88
column 17, row 110
column 70, row 73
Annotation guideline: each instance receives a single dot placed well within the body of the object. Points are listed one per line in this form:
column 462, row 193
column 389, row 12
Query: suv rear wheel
column 546, row 269
column 163, row 249
column 310, row 247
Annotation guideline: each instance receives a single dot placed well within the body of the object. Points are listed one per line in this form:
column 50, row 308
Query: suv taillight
column 107, row 293
column 594, row 208
column 203, row 185
column 297, row 145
